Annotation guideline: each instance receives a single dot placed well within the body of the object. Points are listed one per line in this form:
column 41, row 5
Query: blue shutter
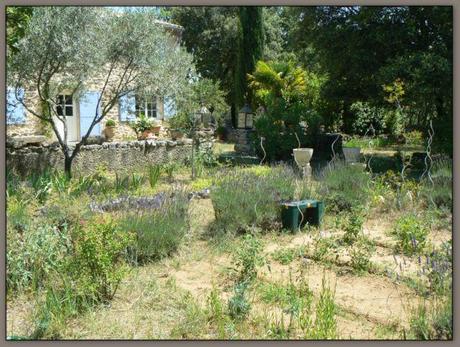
column 127, row 106
column 15, row 112
column 88, row 103
column 169, row 107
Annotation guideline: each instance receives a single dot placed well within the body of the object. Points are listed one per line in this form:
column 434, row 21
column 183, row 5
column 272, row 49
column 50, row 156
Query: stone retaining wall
column 115, row 156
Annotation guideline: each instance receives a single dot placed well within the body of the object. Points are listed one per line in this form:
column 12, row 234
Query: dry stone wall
column 123, row 157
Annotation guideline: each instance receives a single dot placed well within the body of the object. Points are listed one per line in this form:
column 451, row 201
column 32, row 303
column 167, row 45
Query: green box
column 291, row 213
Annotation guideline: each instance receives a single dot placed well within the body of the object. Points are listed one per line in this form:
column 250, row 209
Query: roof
column 170, row 25
column 161, row 22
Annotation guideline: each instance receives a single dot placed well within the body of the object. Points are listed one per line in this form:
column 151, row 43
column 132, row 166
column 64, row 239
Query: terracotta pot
column 176, row 134
column 143, row 135
column 156, row 129
column 109, row 133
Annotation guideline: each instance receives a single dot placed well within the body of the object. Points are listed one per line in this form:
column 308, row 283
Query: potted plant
column 109, row 130
column 143, row 127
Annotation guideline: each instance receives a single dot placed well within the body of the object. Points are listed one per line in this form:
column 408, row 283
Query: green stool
column 313, row 211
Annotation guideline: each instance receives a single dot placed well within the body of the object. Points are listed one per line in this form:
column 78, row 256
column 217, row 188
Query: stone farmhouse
column 79, row 113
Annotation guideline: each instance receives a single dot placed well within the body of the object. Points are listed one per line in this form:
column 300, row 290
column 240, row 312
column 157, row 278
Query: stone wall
column 120, row 157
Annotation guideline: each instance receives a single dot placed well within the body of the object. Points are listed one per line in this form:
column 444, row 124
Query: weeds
column 238, row 304
column 352, row 225
column 360, row 254
column 153, row 173
column 325, row 326
column 411, row 234
column 434, row 324
column 169, row 169
column 248, row 258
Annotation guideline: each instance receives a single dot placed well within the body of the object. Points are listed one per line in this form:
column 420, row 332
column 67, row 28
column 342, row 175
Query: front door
column 66, row 109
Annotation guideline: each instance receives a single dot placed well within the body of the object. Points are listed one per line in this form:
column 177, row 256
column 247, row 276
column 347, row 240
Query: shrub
column 158, row 232
column 248, row 258
column 414, row 138
column 243, row 199
column 85, row 272
column 99, row 248
column 352, row 225
column 411, row 234
column 344, row 187
column 367, row 115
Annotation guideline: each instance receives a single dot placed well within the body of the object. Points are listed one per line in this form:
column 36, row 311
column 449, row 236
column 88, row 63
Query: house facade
column 79, row 113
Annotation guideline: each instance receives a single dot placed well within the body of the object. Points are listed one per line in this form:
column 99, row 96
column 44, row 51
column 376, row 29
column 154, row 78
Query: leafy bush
column 279, row 125
column 290, row 95
column 158, row 232
column 99, row 247
column 89, row 271
column 248, row 258
column 414, row 138
column 411, row 233
column 243, row 199
column 353, row 225
column 367, row 115
column 344, row 187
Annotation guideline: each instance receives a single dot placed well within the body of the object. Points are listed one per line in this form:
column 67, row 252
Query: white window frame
column 65, row 105
column 148, row 107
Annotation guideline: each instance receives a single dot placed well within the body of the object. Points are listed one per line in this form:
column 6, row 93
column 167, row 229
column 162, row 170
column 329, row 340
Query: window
column 146, row 106
column 64, row 105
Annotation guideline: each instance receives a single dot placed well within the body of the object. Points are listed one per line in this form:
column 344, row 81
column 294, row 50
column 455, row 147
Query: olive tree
column 65, row 50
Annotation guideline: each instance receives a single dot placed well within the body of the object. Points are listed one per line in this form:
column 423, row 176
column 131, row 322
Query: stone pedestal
column 243, row 143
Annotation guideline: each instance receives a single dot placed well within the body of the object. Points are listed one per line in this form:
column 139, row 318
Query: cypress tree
column 250, row 50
